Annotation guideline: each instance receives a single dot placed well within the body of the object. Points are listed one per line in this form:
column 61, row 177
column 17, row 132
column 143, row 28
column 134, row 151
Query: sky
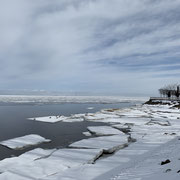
column 94, row 46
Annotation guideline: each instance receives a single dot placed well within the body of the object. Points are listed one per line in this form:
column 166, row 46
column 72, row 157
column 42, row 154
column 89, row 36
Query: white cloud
column 92, row 45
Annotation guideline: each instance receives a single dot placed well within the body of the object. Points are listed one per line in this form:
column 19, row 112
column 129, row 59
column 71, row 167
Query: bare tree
column 170, row 90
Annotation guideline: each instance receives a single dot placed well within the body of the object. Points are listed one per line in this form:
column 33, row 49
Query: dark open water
column 14, row 123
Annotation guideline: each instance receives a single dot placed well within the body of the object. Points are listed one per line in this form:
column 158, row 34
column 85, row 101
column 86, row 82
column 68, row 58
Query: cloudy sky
column 98, row 46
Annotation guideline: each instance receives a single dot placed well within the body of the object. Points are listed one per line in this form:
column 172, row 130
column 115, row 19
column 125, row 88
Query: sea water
column 14, row 123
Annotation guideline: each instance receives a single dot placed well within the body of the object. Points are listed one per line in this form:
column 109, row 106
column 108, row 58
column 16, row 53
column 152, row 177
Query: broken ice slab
column 108, row 143
column 87, row 133
column 121, row 126
column 99, row 116
column 38, row 153
column 24, row 141
column 103, row 130
column 49, row 119
column 57, row 162
column 54, row 119
column 90, row 108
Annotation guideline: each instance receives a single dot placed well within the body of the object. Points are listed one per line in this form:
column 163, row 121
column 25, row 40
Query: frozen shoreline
column 153, row 127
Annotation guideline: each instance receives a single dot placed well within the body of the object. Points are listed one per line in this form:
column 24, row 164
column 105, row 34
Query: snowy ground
column 133, row 146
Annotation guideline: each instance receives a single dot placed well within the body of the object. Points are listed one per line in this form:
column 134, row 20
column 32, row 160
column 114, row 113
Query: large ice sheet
column 38, row 153
column 57, row 161
column 103, row 130
column 24, row 141
column 107, row 143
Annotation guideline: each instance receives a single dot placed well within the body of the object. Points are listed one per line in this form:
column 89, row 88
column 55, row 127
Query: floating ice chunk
column 49, row 119
column 24, row 141
column 90, row 108
column 107, row 143
column 87, row 133
column 103, row 130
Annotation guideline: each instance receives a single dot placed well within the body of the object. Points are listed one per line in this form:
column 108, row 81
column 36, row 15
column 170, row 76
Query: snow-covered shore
column 133, row 145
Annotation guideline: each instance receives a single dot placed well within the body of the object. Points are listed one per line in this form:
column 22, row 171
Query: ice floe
column 57, row 161
column 87, row 133
column 103, row 130
column 24, row 141
column 49, row 119
column 108, row 143
column 54, row 119
column 90, row 108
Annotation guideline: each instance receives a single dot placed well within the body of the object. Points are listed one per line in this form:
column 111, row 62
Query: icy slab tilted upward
column 107, row 143
column 57, row 161
column 9, row 163
column 103, row 130
column 24, row 141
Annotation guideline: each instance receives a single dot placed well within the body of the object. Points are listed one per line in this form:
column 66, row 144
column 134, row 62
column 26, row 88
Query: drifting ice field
column 132, row 145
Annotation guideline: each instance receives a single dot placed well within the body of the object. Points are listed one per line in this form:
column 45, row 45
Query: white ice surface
column 50, row 119
column 54, row 119
column 103, row 130
column 12, row 176
column 107, row 143
column 56, row 161
column 151, row 169
column 24, row 141
column 87, row 133
column 139, row 161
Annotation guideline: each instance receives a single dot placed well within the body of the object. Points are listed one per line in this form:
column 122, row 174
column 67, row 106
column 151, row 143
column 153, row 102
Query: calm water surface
column 14, row 123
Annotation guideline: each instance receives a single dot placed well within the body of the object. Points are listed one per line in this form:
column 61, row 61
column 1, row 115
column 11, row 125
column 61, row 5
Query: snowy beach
column 132, row 144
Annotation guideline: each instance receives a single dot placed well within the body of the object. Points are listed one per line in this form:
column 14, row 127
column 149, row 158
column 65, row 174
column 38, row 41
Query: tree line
column 170, row 90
